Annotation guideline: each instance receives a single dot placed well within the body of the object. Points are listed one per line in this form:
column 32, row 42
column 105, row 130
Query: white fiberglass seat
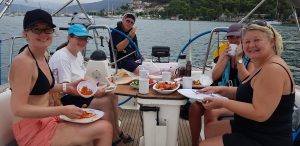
column 6, row 118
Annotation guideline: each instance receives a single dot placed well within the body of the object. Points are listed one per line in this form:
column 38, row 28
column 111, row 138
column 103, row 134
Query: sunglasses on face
column 232, row 37
column 40, row 31
column 129, row 21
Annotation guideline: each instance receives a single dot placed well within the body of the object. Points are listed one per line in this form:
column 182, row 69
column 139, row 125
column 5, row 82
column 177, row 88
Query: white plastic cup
column 187, row 82
column 143, row 86
column 166, row 76
column 233, row 50
column 144, row 73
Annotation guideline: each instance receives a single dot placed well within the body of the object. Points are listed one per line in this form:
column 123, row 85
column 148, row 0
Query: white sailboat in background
column 275, row 21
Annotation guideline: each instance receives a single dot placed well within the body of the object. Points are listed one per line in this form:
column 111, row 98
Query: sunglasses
column 85, row 39
column 40, row 31
column 232, row 37
column 129, row 22
column 261, row 23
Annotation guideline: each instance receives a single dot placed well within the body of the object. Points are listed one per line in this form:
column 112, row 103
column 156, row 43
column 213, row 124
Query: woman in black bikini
column 31, row 81
column 263, row 103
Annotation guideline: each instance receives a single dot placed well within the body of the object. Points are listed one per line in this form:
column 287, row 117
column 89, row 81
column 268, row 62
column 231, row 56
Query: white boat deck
column 132, row 124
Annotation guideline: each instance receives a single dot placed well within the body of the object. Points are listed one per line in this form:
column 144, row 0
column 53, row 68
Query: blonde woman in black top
column 263, row 103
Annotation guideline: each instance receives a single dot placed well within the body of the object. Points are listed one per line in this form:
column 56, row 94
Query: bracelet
column 64, row 87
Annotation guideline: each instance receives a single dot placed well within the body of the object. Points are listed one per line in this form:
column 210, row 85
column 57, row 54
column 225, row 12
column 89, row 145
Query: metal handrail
column 7, row 5
column 217, row 29
column 94, row 27
column 80, row 6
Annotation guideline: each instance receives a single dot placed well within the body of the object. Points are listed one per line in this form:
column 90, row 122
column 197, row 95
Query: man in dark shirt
column 122, row 46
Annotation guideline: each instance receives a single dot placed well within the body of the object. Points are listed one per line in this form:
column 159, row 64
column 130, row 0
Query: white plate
column 155, row 77
column 191, row 93
column 90, row 85
column 165, row 91
column 98, row 115
column 204, row 79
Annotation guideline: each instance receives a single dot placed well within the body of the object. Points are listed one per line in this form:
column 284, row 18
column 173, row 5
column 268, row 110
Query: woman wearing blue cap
column 35, row 122
column 68, row 64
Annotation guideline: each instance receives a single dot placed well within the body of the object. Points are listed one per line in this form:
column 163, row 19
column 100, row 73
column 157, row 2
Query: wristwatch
column 64, row 87
column 240, row 61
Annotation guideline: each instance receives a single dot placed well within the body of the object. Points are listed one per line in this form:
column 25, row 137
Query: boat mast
column 190, row 32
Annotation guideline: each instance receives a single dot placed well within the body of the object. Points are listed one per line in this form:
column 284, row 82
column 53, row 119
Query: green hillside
column 218, row 9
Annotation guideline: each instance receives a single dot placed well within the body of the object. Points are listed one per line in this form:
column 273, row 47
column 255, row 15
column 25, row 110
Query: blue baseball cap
column 79, row 30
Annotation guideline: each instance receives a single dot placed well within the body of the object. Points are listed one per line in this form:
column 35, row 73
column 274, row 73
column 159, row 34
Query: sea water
column 174, row 34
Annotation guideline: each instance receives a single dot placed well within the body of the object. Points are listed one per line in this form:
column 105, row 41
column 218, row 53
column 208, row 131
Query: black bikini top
column 42, row 84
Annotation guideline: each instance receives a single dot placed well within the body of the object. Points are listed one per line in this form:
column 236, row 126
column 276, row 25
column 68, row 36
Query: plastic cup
column 187, row 82
column 233, row 50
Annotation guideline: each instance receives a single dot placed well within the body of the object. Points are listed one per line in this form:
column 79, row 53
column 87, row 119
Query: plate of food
column 88, row 116
column 166, row 87
column 87, row 88
column 124, row 77
column 135, row 83
column 197, row 95
column 201, row 81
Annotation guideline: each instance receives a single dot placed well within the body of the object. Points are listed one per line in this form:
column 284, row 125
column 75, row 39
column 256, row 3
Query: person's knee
column 202, row 143
column 105, row 126
column 197, row 108
column 112, row 96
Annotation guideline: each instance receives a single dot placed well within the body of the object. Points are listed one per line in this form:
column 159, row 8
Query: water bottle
column 143, row 82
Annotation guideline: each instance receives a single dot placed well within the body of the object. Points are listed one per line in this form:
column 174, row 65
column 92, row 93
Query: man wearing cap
column 122, row 46
column 229, row 70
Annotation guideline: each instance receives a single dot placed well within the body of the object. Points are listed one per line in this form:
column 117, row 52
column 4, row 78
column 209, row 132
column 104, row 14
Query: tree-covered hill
column 217, row 9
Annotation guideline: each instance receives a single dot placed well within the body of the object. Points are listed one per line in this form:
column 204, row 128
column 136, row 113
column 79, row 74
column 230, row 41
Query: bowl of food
column 87, row 88
column 166, row 87
column 135, row 83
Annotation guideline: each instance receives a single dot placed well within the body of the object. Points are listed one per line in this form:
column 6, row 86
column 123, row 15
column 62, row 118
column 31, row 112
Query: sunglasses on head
column 129, row 21
column 40, row 31
column 261, row 23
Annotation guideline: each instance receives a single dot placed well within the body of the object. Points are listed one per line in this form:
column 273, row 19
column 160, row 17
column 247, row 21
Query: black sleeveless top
column 276, row 131
column 42, row 84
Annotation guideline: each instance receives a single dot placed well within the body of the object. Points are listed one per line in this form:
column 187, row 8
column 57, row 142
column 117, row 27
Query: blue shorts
column 129, row 65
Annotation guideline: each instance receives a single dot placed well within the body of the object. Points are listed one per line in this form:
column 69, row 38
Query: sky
column 52, row 4
column 62, row 1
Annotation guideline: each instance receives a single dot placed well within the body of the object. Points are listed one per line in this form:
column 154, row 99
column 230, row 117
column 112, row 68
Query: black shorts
column 128, row 64
column 238, row 139
column 76, row 100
